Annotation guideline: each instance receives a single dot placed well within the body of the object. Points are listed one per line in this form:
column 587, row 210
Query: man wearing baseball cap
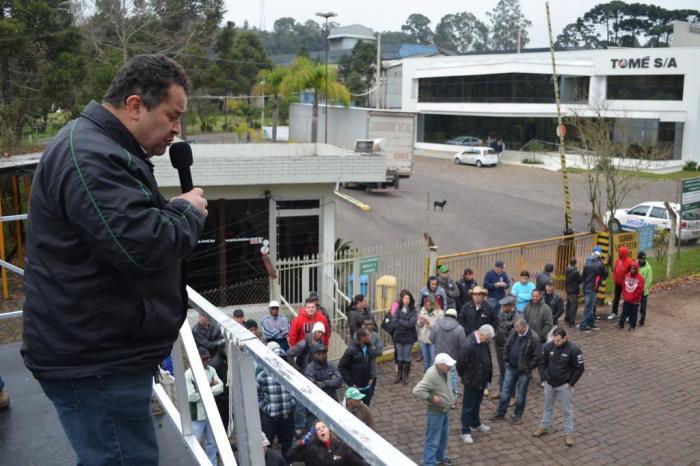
column 436, row 391
column 594, row 273
column 354, row 404
column 275, row 327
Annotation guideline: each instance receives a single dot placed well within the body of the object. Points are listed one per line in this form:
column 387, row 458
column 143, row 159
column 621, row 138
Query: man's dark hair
column 311, row 300
column 573, row 261
column 549, row 268
column 238, row 313
column 524, row 273
column 358, row 298
column 559, row 332
column 360, row 334
column 250, row 323
column 466, row 271
column 149, row 77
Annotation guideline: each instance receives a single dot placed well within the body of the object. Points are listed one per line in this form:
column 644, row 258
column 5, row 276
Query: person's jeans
column 203, row 427
column 454, row 379
column 501, row 366
column 280, row 427
column 428, row 352
column 571, row 309
column 300, row 413
column 512, row 379
column 436, row 435
column 107, row 419
column 629, row 310
column 470, row 409
column 567, row 405
column 368, row 392
column 588, row 317
column 404, row 351
column 616, row 299
column 642, row 314
column 2, row 384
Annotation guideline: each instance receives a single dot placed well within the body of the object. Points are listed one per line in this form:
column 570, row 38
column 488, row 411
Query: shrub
column 690, row 166
column 662, row 238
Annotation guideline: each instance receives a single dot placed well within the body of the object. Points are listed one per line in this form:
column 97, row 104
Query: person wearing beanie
column 632, row 294
column 448, row 337
column 646, row 272
column 303, row 323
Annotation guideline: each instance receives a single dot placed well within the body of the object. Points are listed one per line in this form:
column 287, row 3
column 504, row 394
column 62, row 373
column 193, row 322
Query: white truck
column 348, row 125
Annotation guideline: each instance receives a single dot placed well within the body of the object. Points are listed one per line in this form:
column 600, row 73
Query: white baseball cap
column 318, row 327
column 444, row 358
column 274, row 304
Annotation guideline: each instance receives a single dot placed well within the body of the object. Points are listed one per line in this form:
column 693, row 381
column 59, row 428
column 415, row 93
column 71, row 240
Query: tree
column 417, row 26
column 305, row 74
column 462, row 32
column 395, row 37
column 270, row 83
column 507, row 23
column 41, row 63
column 357, row 70
column 579, row 34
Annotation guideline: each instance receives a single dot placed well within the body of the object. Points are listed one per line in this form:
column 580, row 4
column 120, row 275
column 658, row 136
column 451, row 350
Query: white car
column 655, row 213
column 477, row 155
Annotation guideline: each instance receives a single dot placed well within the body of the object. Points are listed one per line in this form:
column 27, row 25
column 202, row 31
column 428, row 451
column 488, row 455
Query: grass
column 679, row 175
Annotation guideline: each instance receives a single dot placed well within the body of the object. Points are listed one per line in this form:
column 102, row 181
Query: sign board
column 369, row 264
column 691, row 194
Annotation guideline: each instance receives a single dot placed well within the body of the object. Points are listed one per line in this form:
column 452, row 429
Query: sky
column 389, row 15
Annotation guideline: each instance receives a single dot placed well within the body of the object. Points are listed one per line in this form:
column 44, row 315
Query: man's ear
column 134, row 106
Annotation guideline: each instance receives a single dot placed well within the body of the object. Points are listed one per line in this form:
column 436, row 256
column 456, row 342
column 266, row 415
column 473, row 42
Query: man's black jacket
column 530, row 350
column 356, row 366
column 474, row 363
column 104, row 278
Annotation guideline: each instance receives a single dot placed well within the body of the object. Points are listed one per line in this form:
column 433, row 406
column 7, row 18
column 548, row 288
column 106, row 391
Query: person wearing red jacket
column 620, row 269
column 304, row 323
column 632, row 294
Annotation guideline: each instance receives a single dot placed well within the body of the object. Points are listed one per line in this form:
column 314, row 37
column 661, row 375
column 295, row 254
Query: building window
column 503, row 88
column 652, row 87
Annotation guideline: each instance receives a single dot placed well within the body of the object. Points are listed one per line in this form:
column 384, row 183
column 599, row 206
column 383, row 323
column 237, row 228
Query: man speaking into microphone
column 104, row 277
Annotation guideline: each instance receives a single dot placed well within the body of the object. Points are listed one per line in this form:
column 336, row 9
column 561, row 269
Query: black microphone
column 181, row 159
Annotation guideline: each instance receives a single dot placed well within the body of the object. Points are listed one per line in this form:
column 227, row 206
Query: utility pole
column 326, row 15
column 561, row 132
column 378, row 88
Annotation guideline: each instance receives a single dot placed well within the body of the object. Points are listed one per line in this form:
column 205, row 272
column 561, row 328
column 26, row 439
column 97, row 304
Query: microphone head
column 181, row 155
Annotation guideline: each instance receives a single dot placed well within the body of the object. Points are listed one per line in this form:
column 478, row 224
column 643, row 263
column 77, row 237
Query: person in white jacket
column 200, row 424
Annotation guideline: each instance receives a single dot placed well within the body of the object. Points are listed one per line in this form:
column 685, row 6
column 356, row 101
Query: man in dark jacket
column 357, row 313
column 594, row 273
column 504, row 327
column 522, row 355
column 323, row 373
column 496, row 281
column 563, row 366
column 554, row 301
column 207, row 335
column 449, row 285
column 544, row 277
column 356, row 364
column 465, row 285
column 573, row 290
column 539, row 316
column 478, row 312
column 104, row 278
column 448, row 337
column 474, row 367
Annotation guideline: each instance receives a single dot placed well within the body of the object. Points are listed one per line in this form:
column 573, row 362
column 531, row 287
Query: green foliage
column 417, row 26
column 662, row 241
column 288, row 36
column 620, row 24
column 507, row 20
column 357, row 70
column 462, row 32
column 690, row 166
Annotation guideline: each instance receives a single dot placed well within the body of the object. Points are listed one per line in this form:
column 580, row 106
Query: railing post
column 183, row 405
column 244, row 401
column 432, row 261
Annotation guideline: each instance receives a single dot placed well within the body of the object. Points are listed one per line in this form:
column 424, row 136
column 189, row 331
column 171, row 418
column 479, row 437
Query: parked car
column 655, row 213
column 464, row 141
column 477, row 155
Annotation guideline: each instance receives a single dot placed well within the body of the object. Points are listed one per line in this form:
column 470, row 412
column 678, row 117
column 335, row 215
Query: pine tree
column 507, row 21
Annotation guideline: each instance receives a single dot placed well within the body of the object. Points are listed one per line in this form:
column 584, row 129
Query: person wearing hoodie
column 432, row 288
column 465, row 285
column 543, row 277
column 554, row 301
column 646, row 272
column 358, row 312
column 449, row 337
column 303, row 323
column 356, row 364
column 427, row 318
column 594, row 273
column 405, row 335
column 620, row 269
column 573, row 290
column 323, row 373
column 632, row 294
column 449, row 285
column 539, row 317
column 504, row 327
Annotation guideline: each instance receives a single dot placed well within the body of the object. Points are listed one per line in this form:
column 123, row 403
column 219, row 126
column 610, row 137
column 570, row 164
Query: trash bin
column 385, row 291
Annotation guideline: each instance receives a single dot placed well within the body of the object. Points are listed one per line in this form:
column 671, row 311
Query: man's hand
column 196, row 198
column 437, row 399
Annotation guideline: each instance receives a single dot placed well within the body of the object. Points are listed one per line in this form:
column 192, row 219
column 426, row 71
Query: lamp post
column 326, row 15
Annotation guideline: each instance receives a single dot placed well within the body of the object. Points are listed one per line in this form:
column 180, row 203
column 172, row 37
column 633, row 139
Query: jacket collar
column 114, row 128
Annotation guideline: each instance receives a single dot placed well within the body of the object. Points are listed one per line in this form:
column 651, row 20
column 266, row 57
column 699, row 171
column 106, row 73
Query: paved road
column 637, row 402
column 486, row 207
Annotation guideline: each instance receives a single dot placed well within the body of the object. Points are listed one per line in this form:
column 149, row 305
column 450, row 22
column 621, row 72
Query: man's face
column 320, row 357
column 468, row 276
column 478, row 298
column 507, row 308
column 499, row 270
column 536, row 297
column 318, row 335
column 239, row 319
column 559, row 341
column 549, row 289
column 444, row 368
column 433, row 285
column 524, row 279
column 274, row 311
column 203, row 320
column 366, row 340
column 155, row 128
column 205, row 360
column 361, row 305
column 310, row 309
column 484, row 338
column 368, row 325
column 351, row 402
column 521, row 329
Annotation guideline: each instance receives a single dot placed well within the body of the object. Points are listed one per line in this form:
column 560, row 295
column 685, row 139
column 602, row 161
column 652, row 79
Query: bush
column 662, row 239
column 690, row 166
column 532, row 162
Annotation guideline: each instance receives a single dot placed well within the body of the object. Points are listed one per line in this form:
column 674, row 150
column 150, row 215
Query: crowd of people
column 454, row 324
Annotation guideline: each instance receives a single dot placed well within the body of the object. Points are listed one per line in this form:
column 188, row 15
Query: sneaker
column 517, row 420
column 595, row 328
column 483, row 428
column 569, row 440
column 512, row 402
column 585, row 330
column 445, row 460
column 542, row 384
column 641, row 324
column 541, row 431
column 620, row 326
column 495, row 395
column 467, row 438
column 612, row 316
column 486, row 392
column 498, row 417
column 631, row 329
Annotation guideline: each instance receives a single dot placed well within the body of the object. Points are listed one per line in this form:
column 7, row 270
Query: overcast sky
column 389, row 15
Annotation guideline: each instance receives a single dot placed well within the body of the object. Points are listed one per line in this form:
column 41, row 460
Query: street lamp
column 326, row 15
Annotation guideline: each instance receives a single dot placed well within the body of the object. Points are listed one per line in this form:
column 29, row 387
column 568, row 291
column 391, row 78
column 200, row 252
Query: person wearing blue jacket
column 496, row 281
column 523, row 291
